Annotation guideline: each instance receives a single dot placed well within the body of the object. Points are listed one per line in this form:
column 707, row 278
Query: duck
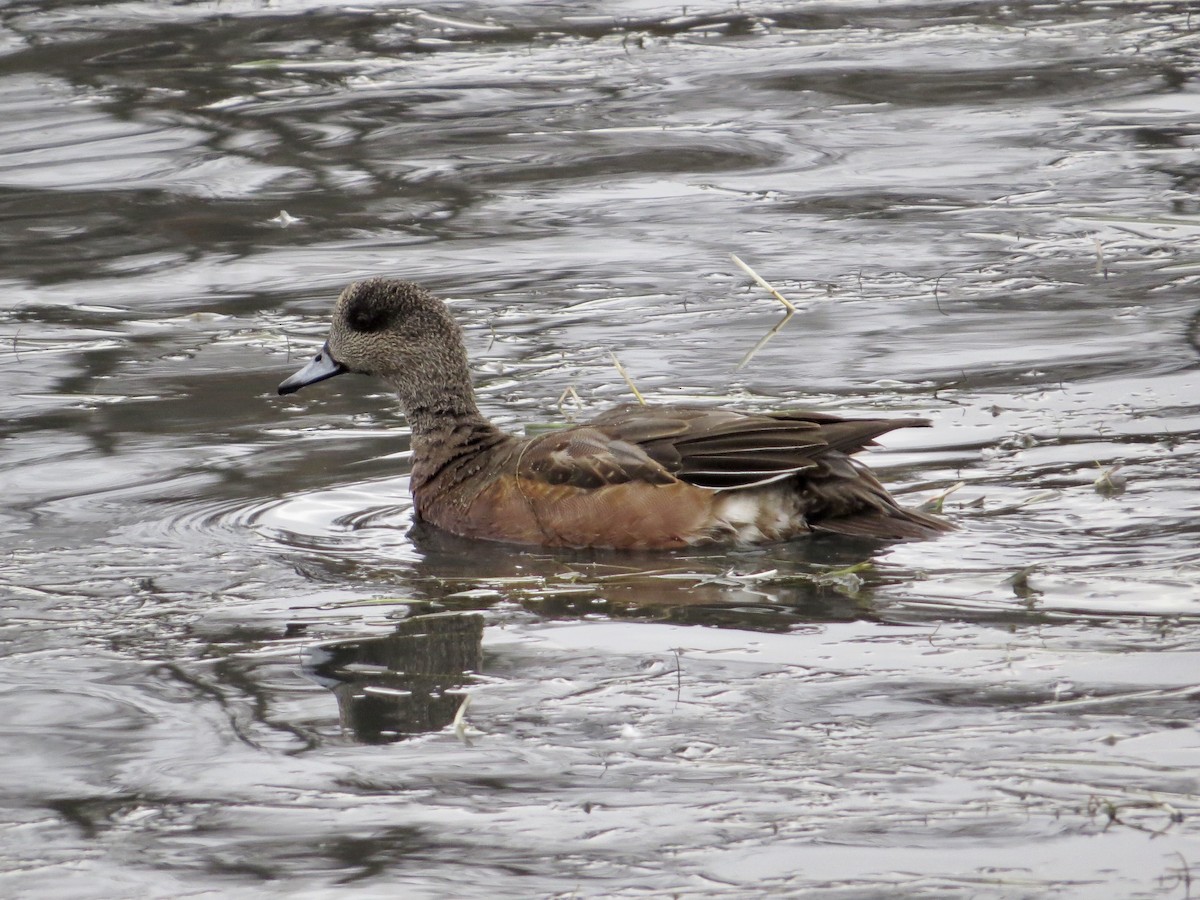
column 636, row 477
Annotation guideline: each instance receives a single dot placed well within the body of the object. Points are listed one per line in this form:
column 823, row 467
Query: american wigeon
column 635, row 477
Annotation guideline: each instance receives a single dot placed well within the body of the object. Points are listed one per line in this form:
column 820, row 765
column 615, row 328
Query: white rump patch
column 760, row 515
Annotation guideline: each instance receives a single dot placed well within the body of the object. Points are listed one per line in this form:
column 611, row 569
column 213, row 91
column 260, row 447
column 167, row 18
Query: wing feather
column 721, row 451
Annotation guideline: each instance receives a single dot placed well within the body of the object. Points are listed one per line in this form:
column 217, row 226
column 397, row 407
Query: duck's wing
column 714, row 449
column 587, row 485
column 725, row 450
column 588, row 458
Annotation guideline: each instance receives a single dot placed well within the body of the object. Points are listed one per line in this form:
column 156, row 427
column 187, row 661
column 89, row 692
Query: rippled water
column 230, row 666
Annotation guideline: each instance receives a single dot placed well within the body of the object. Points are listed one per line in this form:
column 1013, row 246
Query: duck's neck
column 448, row 431
column 447, row 427
column 434, row 413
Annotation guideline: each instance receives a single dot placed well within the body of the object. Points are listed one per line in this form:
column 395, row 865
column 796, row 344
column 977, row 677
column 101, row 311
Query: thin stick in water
column 762, row 282
column 628, row 380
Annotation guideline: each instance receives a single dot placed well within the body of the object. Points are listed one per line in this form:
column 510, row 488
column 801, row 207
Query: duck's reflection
column 404, row 683
column 771, row 588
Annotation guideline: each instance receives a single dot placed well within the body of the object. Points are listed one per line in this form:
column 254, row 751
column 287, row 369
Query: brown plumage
column 634, row 477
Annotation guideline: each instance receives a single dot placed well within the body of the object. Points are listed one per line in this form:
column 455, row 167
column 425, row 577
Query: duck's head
column 395, row 330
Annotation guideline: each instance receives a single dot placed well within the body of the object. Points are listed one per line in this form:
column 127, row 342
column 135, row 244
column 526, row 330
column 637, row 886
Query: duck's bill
column 322, row 366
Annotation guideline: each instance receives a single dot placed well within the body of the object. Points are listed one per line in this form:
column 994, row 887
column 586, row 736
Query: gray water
column 229, row 667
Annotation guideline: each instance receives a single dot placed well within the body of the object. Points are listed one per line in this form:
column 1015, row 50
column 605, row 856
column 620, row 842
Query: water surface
column 988, row 216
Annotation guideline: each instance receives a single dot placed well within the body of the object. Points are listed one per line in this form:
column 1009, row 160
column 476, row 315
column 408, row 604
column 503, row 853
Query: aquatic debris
column 934, row 504
column 845, row 580
column 1039, row 497
column 762, row 282
column 461, row 24
column 1020, row 583
column 461, row 728
column 1109, row 483
column 734, row 578
column 628, row 380
column 789, row 307
column 1113, row 810
column 1129, row 698
column 1101, row 267
column 569, row 394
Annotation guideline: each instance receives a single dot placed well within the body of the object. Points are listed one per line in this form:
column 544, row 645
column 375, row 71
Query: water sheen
column 230, row 666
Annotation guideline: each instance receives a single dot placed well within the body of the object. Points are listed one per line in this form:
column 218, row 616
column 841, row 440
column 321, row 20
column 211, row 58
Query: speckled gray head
column 395, row 330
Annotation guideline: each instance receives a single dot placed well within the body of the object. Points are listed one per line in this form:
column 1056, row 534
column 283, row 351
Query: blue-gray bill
column 322, row 366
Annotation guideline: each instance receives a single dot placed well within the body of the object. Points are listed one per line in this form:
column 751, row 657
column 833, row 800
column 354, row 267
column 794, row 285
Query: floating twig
column 1109, row 483
column 936, row 301
column 934, row 504
column 628, row 380
column 571, row 393
column 787, row 305
column 460, row 721
column 763, row 283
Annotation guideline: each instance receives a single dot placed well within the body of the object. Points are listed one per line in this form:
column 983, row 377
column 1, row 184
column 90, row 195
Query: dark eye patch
column 370, row 311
